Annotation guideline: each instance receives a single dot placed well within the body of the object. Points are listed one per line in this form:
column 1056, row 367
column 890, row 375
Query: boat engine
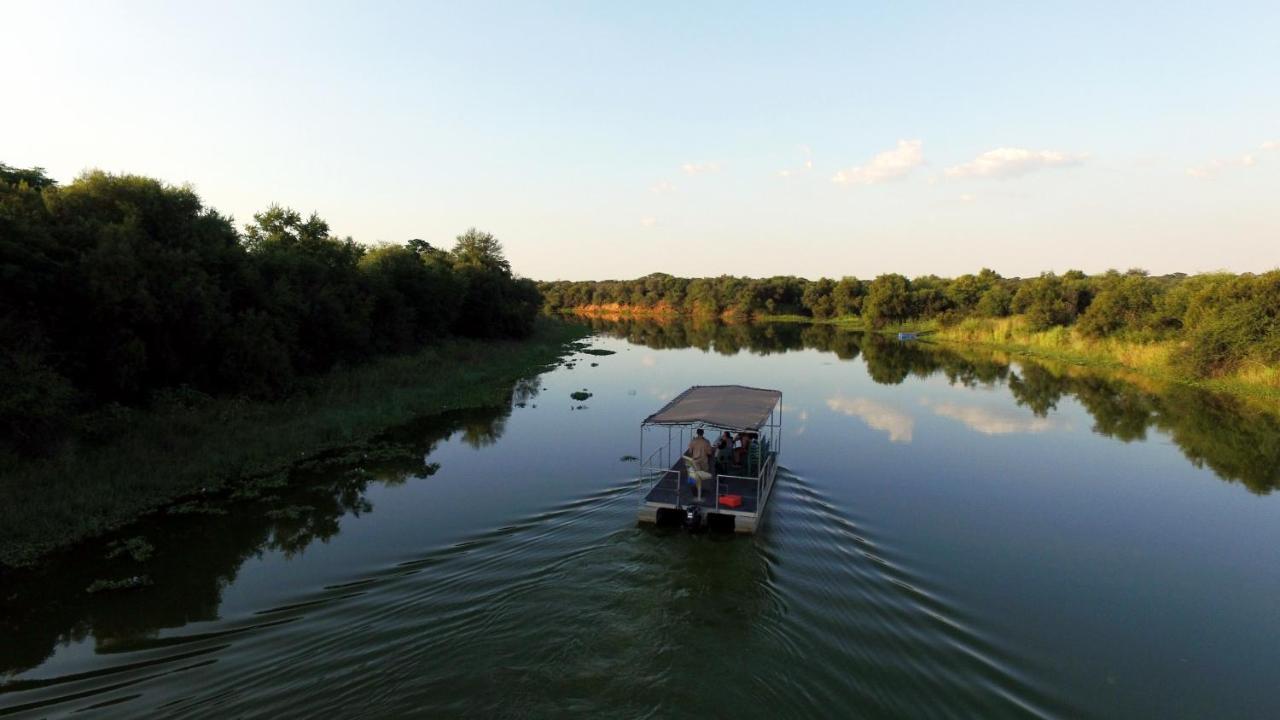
column 692, row 517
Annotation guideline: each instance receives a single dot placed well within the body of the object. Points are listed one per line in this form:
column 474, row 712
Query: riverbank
column 854, row 322
column 197, row 445
column 1154, row 358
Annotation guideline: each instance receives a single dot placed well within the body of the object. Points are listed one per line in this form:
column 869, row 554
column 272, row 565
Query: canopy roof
column 732, row 407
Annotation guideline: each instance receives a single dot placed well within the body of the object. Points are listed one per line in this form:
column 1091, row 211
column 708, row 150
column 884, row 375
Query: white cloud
column 648, row 221
column 1213, row 167
column 990, row 421
column 690, row 168
column 1012, row 162
column 877, row 415
column 888, row 165
column 1206, row 170
column 967, row 197
column 663, row 187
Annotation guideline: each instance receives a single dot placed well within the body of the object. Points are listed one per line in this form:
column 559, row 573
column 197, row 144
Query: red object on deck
column 731, row 501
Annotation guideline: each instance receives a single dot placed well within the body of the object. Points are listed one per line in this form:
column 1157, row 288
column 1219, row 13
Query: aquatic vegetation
column 292, row 512
column 194, row 507
column 129, row 583
column 135, row 547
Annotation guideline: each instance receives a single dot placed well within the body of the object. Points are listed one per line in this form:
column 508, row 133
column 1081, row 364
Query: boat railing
column 660, row 467
column 760, row 479
column 656, row 461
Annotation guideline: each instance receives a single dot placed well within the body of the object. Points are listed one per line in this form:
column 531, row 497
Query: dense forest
column 1222, row 320
column 116, row 290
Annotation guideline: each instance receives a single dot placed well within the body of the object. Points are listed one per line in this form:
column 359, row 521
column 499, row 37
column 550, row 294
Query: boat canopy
column 732, row 407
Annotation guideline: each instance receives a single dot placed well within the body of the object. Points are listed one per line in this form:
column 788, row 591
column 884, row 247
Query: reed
column 1156, row 357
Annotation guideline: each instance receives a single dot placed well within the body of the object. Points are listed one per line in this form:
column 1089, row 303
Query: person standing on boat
column 700, row 452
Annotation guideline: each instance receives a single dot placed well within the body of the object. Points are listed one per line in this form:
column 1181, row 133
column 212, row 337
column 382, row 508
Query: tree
column 817, row 298
column 1125, row 303
column 476, row 249
column 494, row 304
column 966, row 291
column 888, row 300
column 1047, row 301
column 847, row 296
column 995, row 302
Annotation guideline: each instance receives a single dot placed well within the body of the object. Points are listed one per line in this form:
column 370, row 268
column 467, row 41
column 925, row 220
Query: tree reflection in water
column 1238, row 442
column 200, row 546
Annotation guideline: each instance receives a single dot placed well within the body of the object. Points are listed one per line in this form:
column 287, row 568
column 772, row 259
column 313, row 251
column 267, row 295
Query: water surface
column 951, row 535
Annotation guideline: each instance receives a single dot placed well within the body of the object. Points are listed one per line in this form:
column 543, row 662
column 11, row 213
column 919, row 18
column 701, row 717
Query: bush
column 1231, row 321
column 1128, row 303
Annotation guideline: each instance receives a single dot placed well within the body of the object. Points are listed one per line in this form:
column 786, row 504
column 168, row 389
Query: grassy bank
column 853, row 322
column 664, row 313
column 192, row 445
column 1012, row 335
column 1155, row 358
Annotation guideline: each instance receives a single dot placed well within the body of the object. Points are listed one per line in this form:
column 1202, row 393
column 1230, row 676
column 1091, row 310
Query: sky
column 610, row 140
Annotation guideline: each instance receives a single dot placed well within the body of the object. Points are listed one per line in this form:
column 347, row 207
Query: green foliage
column 818, row 299
column 997, row 301
column 888, row 300
column 1228, row 321
column 1048, row 300
column 1233, row 321
column 1127, row 302
column 848, row 295
column 115, row 287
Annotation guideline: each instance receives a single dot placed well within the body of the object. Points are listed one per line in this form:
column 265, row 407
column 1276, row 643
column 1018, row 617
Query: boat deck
column 672, row 492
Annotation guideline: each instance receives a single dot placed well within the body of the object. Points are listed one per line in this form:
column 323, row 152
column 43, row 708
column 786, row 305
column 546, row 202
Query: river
column 952, row 534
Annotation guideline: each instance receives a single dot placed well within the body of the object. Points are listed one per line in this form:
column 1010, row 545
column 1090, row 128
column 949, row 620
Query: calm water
column 951, row 536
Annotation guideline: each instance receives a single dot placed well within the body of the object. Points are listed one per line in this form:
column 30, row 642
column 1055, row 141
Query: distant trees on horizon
column 1225, row 319
column 116, row 287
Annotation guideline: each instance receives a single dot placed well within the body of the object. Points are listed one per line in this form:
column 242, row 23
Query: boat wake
column 576, row 609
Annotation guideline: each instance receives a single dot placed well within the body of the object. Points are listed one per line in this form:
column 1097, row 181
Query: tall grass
column 1156, row 357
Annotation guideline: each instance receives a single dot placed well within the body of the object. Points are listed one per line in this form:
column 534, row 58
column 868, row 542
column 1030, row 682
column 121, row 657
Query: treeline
column 1224, row 319
column 116, row 288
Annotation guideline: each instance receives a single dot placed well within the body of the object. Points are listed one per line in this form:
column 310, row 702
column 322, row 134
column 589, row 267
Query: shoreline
column 1057, row 344
column 81, row 492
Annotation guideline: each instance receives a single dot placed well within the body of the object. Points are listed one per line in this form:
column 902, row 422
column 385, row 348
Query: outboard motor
column 692, row 517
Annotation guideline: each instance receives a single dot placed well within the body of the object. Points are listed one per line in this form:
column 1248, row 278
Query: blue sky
column 617, row 139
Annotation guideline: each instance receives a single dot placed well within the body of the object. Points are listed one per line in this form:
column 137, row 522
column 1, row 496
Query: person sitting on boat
column 724, row 451
column 740, row 452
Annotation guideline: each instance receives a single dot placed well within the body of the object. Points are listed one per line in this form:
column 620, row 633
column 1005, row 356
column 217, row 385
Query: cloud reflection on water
column 879, row 416
column 994, row 421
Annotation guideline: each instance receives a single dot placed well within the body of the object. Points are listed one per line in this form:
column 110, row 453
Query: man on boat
column 700, row 452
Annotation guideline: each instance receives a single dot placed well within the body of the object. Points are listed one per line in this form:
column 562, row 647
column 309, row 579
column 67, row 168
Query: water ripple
column 574, row 609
